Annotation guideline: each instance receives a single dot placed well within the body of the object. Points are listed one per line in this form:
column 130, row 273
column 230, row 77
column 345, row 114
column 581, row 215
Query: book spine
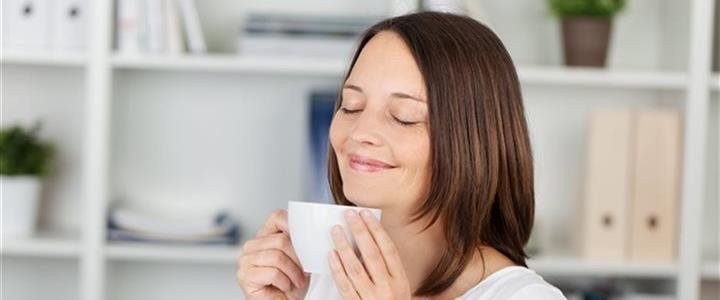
column 193, row 32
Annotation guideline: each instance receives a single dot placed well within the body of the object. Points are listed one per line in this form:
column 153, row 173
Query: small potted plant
column 24, row 159
column 586, row 27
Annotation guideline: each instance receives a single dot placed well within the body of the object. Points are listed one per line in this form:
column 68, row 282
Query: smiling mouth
column 366, row 164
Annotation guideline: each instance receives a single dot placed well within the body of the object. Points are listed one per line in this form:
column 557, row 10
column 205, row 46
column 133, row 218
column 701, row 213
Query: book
column 191, row 23
column 128, row 26
column 322, row 106
column 158, row 27
column 173, row 29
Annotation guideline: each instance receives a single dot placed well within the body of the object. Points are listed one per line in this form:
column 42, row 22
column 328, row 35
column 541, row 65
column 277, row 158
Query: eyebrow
column 394, row 94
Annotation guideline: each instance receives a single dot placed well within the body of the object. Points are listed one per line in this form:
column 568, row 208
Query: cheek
column 337, row 135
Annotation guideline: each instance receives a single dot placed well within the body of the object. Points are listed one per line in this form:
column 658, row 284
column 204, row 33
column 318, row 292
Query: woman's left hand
column 380, row 274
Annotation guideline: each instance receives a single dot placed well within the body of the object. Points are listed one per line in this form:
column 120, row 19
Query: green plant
column 22, row 152
column 586, row 8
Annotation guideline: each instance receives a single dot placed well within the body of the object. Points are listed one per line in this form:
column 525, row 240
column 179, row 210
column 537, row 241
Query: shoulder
column 514, row 283
column 537, row 291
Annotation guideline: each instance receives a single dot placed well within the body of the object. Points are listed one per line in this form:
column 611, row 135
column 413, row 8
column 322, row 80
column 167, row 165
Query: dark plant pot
column 585, row 41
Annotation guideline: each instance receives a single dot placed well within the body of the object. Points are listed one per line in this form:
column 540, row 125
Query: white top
column 509, row 283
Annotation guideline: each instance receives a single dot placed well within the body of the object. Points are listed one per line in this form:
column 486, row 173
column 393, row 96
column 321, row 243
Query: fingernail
column 366, row 213
column 350, row 214
column 336, row 231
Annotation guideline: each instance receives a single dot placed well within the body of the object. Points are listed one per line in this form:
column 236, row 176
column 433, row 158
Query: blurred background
column 144, row 140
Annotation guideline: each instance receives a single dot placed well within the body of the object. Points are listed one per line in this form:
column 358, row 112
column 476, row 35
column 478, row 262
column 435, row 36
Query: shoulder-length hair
column 481, row 162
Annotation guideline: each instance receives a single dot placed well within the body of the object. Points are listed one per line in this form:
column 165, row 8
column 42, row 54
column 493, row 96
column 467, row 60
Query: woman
column 430, row 128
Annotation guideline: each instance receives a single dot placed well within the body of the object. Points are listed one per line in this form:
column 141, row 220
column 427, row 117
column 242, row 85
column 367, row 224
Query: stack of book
column 128, row 225
column 298, row 35
column 158, row 27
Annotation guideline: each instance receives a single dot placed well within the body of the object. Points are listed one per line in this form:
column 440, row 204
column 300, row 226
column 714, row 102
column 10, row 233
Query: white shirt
column 509, row 283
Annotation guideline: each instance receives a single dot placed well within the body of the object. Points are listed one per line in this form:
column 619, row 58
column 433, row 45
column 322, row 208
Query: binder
column 69, row 19
column 656, row 186
column 25, row 24
column 607, row 185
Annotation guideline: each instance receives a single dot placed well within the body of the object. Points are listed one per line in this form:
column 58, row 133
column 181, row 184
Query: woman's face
column 380, row 134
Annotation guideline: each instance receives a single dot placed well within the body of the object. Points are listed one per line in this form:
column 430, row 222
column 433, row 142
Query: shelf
column 559, row 266
column 172, row 253
column 233, row 63
column 710, row 270
column 569, row 76
column 594, row 77
column 39, row 58
column 43, row 244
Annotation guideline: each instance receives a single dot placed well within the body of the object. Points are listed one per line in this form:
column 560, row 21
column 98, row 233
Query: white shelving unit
column 182, row 254
column 42, row 58
column 44, row 244
column 139, row 114
column 567, row 267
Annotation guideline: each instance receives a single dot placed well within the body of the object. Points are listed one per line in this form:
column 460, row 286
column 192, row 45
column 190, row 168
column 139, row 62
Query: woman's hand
column 268, row 267
column 380, row 275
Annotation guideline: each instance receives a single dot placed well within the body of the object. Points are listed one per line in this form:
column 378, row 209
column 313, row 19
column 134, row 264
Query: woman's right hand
column 268, row 267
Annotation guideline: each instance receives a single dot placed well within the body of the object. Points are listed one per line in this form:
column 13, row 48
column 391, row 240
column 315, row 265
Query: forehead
column 386, row 65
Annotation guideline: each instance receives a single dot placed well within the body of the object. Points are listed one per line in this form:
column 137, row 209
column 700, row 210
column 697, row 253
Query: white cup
column 310, row 225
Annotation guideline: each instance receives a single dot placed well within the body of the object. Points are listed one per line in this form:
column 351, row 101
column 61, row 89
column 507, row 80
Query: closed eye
column 404, row 123
column 349, row 111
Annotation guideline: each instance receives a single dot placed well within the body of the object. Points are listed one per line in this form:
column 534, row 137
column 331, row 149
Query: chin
column 364, row 197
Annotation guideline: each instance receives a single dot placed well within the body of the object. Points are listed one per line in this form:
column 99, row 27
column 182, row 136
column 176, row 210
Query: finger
column 264, row 276
column 385, row 244
column 277, row 259
column 278, row 241
column 350, row 262
column 372, row 258
column 342, row 282
column 277, row 222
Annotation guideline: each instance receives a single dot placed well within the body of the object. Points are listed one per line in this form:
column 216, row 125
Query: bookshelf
column 715, row 82
column 116, row 109
column 66, row 59
column 44, row 244
column 178, row 254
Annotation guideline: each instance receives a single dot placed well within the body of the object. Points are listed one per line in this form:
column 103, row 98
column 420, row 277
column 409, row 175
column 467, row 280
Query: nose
column 367, row 129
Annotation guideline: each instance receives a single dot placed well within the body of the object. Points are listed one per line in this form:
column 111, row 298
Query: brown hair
column 481, row 181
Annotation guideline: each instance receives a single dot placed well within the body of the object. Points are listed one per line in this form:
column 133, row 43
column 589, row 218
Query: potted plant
column 586, row 26
column 24, row 159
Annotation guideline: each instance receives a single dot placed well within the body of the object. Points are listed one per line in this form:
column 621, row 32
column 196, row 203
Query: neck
column 409, row 238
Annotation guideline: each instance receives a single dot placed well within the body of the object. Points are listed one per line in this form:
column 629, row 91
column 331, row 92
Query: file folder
column 656, row 186
column 607, row 185
column 25, row 24
column 69, row 19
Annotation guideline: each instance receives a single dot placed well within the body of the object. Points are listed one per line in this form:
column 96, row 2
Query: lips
column 366, row 164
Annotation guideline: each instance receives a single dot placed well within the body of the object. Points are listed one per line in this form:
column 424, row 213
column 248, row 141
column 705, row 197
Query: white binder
column 607, row 185
column 69, row 23
column 656, row 186
column 25, row 24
